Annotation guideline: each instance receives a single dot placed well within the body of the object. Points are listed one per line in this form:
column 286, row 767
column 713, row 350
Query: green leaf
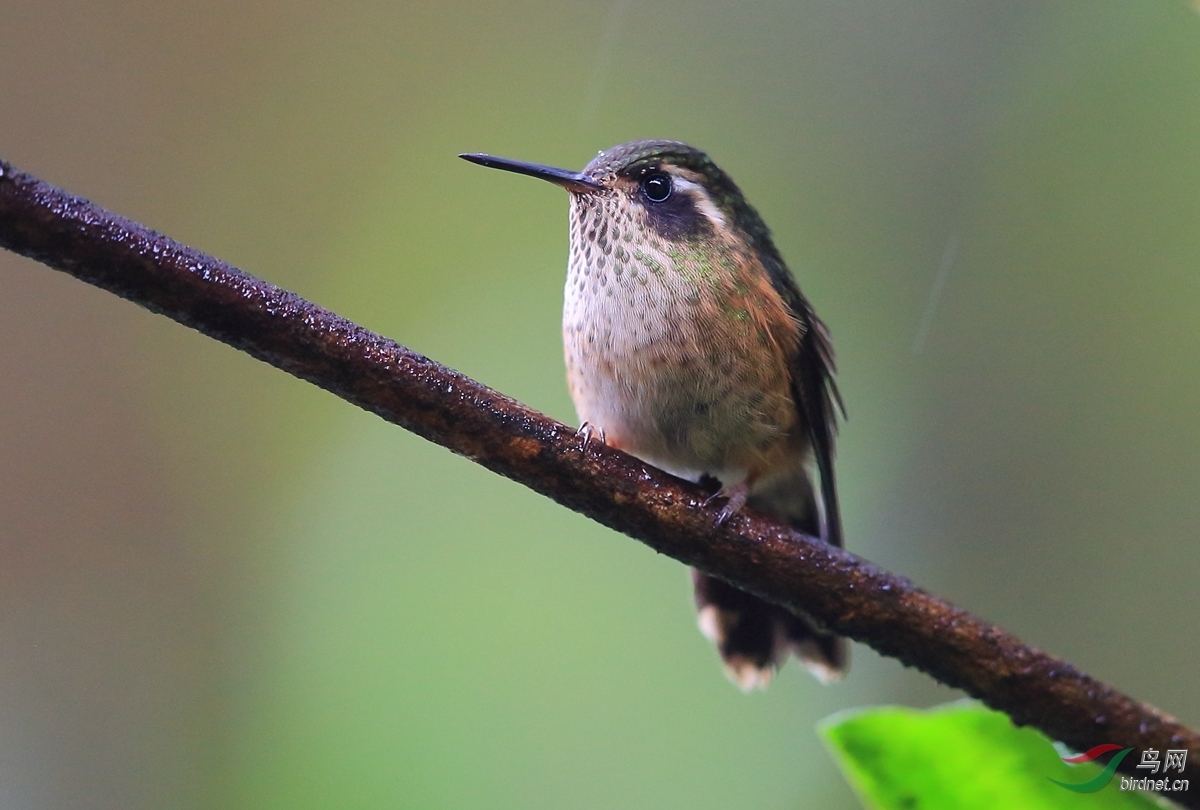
column 961, row 755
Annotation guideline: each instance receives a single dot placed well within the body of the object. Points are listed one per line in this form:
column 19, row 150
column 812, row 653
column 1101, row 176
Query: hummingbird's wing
column 816, row 393
column 820, row 402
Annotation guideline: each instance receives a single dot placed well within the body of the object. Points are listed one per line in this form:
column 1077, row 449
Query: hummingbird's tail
column 755, row 637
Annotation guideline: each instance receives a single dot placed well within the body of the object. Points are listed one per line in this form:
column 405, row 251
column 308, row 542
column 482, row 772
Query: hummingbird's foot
column 587, row 431
column 736, row 495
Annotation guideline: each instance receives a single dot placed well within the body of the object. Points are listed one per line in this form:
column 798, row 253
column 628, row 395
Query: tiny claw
column 587, row 432
column 736, row 495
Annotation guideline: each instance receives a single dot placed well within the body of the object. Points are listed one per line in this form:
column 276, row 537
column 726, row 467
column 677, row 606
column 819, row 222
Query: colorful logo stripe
column 1101, row 779
column 1089, row 755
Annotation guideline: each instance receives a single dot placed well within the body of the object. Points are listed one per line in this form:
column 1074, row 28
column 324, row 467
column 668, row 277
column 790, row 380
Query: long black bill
column 572, row 181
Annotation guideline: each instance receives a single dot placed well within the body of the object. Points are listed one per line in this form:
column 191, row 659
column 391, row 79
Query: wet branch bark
column 848, row 594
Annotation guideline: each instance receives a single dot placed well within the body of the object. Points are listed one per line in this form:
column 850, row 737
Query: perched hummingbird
column 689, row 345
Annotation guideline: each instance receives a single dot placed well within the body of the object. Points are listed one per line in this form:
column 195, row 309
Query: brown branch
column 845, row 593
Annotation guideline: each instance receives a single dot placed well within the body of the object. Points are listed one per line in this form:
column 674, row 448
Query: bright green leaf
column 960, row 755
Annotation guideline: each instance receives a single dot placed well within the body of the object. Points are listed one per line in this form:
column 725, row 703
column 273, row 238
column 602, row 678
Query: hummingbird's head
column 663, row 195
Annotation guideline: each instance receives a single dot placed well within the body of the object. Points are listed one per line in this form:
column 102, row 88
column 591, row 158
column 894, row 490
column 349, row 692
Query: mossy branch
column 847, row 594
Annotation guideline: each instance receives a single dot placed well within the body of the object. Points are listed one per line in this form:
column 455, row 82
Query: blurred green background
column 222, row 587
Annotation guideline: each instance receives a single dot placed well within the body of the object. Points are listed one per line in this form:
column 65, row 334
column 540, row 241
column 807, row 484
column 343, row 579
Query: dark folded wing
column 820, row 403
column 816, row 394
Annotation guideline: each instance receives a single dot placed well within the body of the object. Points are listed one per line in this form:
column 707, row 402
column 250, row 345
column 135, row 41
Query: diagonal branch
column 844, row 592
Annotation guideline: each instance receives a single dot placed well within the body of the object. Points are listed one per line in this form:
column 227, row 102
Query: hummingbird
column 689, row 345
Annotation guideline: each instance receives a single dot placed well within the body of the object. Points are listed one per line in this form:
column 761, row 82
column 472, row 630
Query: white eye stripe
column 704, row 204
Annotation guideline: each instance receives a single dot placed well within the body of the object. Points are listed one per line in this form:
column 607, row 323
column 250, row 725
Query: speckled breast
column 679, row 354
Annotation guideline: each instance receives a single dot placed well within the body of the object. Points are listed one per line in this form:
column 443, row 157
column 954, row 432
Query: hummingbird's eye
column 656, row 187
